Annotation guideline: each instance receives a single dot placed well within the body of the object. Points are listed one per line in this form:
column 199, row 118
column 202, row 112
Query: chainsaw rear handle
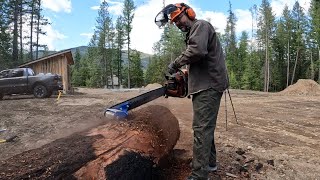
column 177, row 84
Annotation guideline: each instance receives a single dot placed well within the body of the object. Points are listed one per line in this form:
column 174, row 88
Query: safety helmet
column 173, row 11
column 181, row 7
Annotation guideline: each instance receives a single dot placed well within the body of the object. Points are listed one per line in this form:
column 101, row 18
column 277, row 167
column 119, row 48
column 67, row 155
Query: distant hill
column 145, row 58
column 82, row 49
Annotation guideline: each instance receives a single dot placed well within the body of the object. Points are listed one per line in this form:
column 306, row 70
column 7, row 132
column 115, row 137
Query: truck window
column 4, row 74
column 17, row 73
column 30, row 72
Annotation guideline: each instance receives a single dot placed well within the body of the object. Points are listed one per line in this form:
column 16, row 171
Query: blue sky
column 73, row 21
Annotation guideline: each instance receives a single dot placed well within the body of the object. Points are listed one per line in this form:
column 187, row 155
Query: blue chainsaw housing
column 121, row 110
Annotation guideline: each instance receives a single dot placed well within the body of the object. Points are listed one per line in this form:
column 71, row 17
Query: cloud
column 244, row 20
column 58, row 5
column 52, row 36
column 115, row 7
column 217, row 19
column 278, row 5
column 145, row 32
column 87, row 35
column 95, row 7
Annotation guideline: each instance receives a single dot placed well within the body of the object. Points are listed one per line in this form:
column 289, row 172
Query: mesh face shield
column 162, row 18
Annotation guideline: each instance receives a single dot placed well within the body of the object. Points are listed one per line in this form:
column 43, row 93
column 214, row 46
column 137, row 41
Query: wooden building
column 57, row 63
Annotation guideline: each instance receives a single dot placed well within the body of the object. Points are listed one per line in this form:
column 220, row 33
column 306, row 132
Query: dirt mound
column 303, row 87
column 145, row 139
column 153, row 86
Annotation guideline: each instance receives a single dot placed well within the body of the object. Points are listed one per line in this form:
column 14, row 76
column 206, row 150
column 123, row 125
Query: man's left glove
column 173, row 68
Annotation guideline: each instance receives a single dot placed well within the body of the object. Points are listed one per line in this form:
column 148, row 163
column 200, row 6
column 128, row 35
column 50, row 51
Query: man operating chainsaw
column 207, row 80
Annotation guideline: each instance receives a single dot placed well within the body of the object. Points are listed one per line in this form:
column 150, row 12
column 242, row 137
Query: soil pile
column 116, row 150
column 153, row 86
column 303, row 87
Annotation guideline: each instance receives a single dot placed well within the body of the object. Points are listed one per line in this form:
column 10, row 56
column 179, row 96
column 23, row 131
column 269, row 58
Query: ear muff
column 189, row 11
column 181, row 8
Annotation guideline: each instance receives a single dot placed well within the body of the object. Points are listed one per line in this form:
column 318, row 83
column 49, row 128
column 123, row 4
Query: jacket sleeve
column 197, row 47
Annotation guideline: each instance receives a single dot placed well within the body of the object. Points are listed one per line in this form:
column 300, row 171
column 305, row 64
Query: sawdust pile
column 303, row 87
column 153, row 86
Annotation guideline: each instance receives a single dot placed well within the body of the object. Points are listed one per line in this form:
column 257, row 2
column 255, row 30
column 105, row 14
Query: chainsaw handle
column 177, row 84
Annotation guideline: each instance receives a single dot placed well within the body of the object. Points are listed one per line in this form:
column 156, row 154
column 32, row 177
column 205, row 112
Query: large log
column 117, row 150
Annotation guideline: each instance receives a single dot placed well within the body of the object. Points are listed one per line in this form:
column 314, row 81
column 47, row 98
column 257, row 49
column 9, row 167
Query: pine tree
column 40, row 23
column 315, row 30
column 31, row 25
column 5, row 38
column 231, row 48
column 243, row 57
column 265, row 33
column 278, row 63
column 128, row 14
column 14, row 14
column 76, row 78
column 91, row 67
column 299, row 30
column 286, row 23
column 136, row 70
column 102, row 33
column 119, row 46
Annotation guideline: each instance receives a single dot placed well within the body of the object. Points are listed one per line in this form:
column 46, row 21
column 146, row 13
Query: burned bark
column 116, row 150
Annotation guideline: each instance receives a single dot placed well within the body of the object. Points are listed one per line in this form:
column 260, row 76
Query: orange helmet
column 174, row 11
column 181, row 7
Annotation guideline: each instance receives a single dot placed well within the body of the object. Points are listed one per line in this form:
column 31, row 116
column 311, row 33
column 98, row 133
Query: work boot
column 211, row 168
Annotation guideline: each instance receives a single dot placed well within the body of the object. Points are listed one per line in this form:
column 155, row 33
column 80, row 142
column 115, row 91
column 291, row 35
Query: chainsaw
column 176, row 85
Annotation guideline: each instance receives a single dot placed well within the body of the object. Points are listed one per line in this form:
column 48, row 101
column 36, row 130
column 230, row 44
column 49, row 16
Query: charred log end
column 133, row 165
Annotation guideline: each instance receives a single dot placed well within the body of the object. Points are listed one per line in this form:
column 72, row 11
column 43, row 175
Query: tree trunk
column 31, row 30
column 288, row 63
column 268, row 70
column 295, row 66
column 21, row 32
column 111, row 62
column 106, row 67
column 119, row 68
column 38, row 28
column 15, row 35
column 266, row 67
column 319, row 65
column 311, row 66
column 129, row 62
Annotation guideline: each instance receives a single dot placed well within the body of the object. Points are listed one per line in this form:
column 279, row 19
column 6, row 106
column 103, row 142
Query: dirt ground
column 277, row 136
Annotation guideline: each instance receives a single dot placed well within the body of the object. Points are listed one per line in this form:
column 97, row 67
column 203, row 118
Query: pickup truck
column 24, row 81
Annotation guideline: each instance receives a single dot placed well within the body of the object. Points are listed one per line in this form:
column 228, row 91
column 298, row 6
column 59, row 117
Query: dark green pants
column 205, row 111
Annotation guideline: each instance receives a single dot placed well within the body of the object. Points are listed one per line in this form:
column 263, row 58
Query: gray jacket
column 205, row 59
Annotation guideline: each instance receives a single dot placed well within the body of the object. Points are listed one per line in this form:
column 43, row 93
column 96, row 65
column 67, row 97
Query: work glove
column 172, row 68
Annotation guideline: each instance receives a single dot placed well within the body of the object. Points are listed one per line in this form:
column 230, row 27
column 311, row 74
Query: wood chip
column 231, row 175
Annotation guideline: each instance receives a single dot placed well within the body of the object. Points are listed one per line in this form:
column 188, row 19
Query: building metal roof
column 66, row 52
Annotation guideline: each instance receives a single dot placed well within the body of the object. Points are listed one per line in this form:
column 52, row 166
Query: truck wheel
column 1, row 96
column 40, row 91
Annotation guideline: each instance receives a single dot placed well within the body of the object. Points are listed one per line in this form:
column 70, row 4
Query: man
column 206, row 82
